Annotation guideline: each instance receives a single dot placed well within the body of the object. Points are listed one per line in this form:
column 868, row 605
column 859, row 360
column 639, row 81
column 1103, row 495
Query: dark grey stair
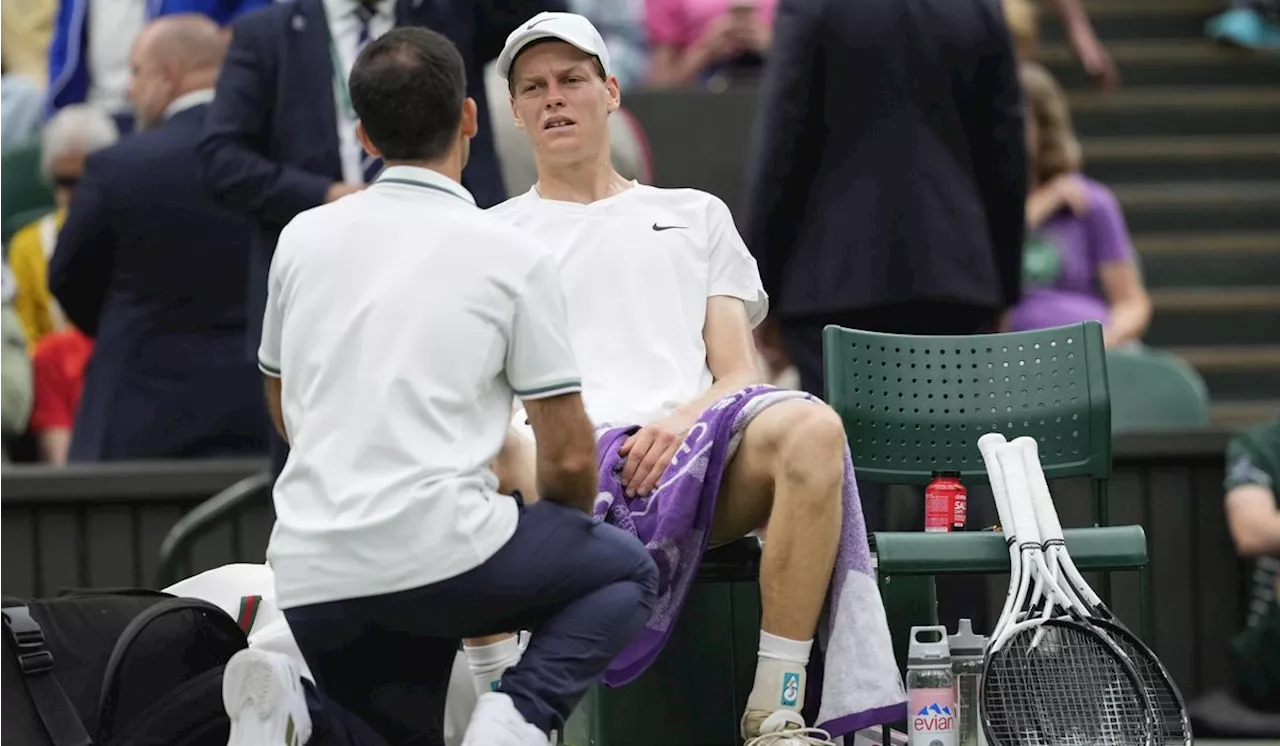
column 1223, row 260
column 1115, row 160
column 1172, row 112
column 1205, row 317
column 1236, row 373
column 1171, row 62
column 1191, row 206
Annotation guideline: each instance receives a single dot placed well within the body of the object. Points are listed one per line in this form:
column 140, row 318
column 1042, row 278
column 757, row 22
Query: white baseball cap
column 567, row 27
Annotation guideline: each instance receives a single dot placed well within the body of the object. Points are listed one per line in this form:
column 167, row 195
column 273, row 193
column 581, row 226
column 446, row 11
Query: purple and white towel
column 860, row 684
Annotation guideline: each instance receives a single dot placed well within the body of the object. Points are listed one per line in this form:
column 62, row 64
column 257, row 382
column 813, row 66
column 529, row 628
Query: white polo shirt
column 402, row 321
column 638, row 268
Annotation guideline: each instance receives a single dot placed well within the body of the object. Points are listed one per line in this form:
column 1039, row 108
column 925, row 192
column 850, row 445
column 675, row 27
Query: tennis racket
column 1172, row 723
column 1050, row 678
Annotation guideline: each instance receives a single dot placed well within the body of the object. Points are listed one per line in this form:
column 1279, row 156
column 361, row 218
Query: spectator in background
column 887, row 187
column 1253, row 515
column 20, row 97
column 1078, row 261
column 692, row 39
column 622, row 25
column 1022, row 19
column 74, row 133
column 15, row 372
column 280, row 136
column 1252, row 24
column 894, row 205
column 89, row 53
column 58, row 365
column 154, row 269
column 25, row 29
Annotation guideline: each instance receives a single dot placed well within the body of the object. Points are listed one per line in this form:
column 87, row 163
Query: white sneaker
column 781, row 728
column 264, row 699
column 497, row 722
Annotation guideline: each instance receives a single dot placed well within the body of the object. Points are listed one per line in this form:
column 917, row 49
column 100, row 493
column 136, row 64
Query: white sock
column 780, row 676
column 489, row 662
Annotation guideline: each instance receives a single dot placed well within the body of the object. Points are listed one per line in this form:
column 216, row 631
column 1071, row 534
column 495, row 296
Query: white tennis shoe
column 263, row 695
column 781, row 728
column 497, row 722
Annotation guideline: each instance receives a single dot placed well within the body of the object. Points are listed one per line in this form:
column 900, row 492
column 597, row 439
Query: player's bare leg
column 516, row 470
column 789, row 471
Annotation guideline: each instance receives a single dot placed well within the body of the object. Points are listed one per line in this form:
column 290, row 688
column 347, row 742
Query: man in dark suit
column 889, row 172
column 887, row 187
column 153, row 269
column 280, row 137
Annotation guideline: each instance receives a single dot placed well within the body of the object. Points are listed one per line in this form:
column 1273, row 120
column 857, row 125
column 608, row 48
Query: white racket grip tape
column 1041, row 498
column 987, row 446
column 1015, row 480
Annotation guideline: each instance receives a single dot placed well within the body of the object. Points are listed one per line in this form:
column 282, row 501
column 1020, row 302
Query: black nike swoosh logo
column 535, row 23
column 657, row 227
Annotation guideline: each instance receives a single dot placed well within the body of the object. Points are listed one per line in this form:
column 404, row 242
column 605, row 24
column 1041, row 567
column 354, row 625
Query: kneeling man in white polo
column 401, row 322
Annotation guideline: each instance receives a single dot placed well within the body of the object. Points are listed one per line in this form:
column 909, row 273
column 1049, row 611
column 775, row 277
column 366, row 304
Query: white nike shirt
column 637, row 269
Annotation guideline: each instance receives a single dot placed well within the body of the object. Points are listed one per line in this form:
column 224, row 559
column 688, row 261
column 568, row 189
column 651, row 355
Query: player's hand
column 1093, row 56
column 339, row 190
column 649, row 452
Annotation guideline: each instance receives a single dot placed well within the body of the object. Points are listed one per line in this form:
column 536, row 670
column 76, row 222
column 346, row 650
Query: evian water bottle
column 931, row 689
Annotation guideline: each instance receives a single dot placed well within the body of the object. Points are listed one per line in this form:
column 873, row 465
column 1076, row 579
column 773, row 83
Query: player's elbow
column 1251, row 541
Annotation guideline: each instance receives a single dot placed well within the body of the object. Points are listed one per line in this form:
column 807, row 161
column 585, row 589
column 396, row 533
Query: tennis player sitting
column 401, row 322
column 662, row 295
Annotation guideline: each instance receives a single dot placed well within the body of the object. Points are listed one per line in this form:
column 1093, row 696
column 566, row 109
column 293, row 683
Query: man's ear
column 470, row 118
column 366, row 143
column 615, row 93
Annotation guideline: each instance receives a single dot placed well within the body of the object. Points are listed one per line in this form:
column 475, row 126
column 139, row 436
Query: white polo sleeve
column 733, row 270
column 540, row 360
column 273, row 316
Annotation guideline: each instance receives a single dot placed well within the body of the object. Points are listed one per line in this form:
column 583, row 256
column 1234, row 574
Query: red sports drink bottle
column 945, row 503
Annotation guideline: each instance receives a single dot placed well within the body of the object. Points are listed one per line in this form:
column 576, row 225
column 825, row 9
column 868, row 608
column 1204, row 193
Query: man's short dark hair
column 407, row 88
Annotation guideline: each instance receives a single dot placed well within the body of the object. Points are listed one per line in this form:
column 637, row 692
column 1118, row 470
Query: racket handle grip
column 1015, row 479
column 987, row 445
column 1041, row 498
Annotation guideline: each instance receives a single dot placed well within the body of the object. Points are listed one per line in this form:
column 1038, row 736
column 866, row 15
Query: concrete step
column 1240, row 415
column 1170, row 62
column 1197, row 206
column 1205, row 317
column 1122, row 20
column 1234, row 372
column 1177, row 111
column 1202, row 158
column 1190, row 260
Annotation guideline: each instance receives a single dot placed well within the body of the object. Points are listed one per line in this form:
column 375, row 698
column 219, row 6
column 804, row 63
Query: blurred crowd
column 178, row 137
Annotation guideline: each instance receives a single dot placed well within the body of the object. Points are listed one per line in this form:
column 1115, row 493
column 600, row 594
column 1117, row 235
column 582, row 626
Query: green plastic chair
column 913, row 405
column 218, row 510
column 25, row 195
column 1155, row 390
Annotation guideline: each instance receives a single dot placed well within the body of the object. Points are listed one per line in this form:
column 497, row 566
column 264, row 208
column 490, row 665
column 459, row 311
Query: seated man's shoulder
column 691, row 204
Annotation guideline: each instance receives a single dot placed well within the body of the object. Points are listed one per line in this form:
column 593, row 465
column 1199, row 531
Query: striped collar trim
column 424, row 178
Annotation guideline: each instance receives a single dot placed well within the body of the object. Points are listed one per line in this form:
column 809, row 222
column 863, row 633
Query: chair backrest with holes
column 913, row 405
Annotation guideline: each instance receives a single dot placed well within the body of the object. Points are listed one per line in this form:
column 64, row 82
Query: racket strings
column 1066, row 690
column 1170, row 725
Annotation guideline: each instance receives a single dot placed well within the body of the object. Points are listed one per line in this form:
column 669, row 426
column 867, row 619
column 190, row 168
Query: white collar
column 188, row 100
column 412, row 176
column 337, row 10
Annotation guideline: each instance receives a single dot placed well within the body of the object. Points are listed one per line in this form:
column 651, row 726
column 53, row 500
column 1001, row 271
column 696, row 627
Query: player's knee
column 813, row 449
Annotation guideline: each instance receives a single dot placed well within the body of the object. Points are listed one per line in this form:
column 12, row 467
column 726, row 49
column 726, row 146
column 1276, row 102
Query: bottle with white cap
column 967, row 652
column 931, row 689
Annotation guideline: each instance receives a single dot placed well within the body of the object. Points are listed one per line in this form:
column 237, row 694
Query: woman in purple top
column 1078, row 263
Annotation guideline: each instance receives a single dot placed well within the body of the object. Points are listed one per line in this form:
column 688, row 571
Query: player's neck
column 580, row 182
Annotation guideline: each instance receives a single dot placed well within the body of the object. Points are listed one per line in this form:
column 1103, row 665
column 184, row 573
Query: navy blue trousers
column 383, row 662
